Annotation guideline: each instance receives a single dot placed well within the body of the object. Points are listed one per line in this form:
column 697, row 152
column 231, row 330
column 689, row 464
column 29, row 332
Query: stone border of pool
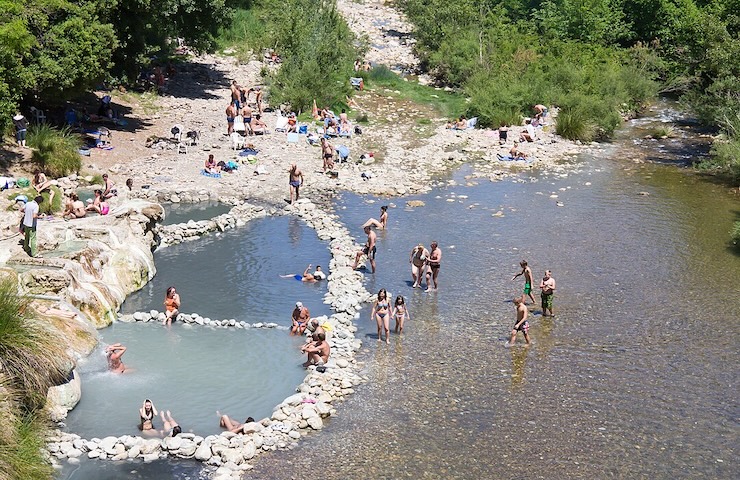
column 295, row 416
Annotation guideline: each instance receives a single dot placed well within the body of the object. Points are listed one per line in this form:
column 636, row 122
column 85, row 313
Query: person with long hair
column 171, row 305
column 381, row 313
column 400, row 312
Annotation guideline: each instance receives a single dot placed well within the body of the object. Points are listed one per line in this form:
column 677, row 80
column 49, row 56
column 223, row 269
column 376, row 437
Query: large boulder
column 63, row 398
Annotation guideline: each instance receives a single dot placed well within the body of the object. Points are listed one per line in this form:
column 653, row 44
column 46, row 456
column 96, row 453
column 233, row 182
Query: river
column 634, row 377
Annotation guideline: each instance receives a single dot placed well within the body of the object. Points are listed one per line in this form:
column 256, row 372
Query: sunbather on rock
column 258, row 126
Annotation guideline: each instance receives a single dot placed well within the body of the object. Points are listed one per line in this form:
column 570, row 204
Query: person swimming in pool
column 381, row 223
column 382, row 312
column 232, row 425
column 114, row 353
column 147, row 412
column 308, row 276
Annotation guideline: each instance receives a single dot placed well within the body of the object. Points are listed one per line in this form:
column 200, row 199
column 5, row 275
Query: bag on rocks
column 358, row 130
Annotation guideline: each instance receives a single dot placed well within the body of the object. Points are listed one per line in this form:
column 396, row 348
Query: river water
column 634, row 377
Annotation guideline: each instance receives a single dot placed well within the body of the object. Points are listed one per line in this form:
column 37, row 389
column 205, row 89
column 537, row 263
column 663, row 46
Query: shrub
column 573, row 125
column 736, row 233
column 30, row 354
column 381, row 73
column 724, row 159
column 55, row 151
column 21, row 449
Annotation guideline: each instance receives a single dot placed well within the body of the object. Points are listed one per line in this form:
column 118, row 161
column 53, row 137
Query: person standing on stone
column 295, row 181
column 548, row 292
column 300, row 318
column 230, row 116
column 114, row 353
column 236, row 95
column 369, row 249
column 21, row 129
column 327, row 155
column 527, row 272
column 30, row 217
column 521, row 325
column 435, row 260
column 418, row 260
column 171, row 306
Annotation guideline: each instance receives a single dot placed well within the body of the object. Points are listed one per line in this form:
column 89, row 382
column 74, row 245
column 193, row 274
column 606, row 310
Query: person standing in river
column 418, row 260
column 527, row 272
column 435, row 260
column 369, row 249
column 521, row 325
column 381, row 312
column 171, row 306
column 548, row 291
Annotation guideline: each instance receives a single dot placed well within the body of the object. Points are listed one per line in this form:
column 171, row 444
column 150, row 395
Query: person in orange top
column 171, row 305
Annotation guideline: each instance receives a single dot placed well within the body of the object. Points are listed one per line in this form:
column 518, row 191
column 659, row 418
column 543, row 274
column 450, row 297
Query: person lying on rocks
column 258, row 126
column 171, row 428
column 211, row 166
column 317, row 351
column 232, row 425
column 307, row 276
column 74, row 208
column 147, row 412
column 114, row 353
column 299, row 319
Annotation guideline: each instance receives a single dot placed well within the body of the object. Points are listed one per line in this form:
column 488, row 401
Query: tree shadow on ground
column 10, row 158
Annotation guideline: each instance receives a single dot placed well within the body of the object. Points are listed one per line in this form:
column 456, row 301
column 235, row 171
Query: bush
column 736, row 233
column 55, row 151
column 21, row 448
column 30, row 355
column 724, row 159
column 381, row 73
column 574, row 125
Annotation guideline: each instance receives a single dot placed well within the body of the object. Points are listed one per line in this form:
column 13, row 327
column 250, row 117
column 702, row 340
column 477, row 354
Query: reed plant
column 662, row 131
column 55, row 151
column 573, row 124
column 21, row 447
column 31, row 355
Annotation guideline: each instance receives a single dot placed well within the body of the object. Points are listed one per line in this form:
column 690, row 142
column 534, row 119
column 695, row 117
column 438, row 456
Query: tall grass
column 55, row 151
column 20, row 449
column 32, row 357
column 573, row 125
column 246, row 32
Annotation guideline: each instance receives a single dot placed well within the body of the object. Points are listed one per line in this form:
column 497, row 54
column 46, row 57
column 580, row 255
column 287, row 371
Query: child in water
column 400, row 312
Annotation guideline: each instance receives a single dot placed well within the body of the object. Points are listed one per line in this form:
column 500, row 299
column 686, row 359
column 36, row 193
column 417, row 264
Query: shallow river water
column 634, row 377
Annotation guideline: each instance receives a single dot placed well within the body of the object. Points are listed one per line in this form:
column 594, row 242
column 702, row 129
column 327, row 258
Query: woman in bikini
column 171, row 305
column 381, row 312
column 400, row 312
column 381, row 223
column 147, row 412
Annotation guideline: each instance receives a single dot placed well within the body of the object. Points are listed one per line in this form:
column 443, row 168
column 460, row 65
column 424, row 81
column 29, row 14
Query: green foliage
column 573, row 124
column 21, row 448
column 736, row 233
column 56, row 151
column 30, row 355
column 317, row 50
column 246, row 32
column 724, row 159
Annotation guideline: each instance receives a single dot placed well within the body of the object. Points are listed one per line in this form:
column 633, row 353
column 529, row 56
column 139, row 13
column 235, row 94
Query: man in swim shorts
column 369, row 249
column 435, row 259
column 295, row 181
column 316, row 351
column 114, row 353
column 300, row 319
column 521, row 325
column 230, row 115
column 548, row 292
column 527, row 272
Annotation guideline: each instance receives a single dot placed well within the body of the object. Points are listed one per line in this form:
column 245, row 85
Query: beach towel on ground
column 212, row 175
column 248, row 151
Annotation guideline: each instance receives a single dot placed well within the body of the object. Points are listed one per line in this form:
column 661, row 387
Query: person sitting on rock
column 232, row 425
column 299, row 318
column 317, row 351
column 344, row 125
column 74, row 208
column 40, row 183
column 528, row 135
column 461, row 124
column 109, row 190
column 171, row 305
column 97, row 204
